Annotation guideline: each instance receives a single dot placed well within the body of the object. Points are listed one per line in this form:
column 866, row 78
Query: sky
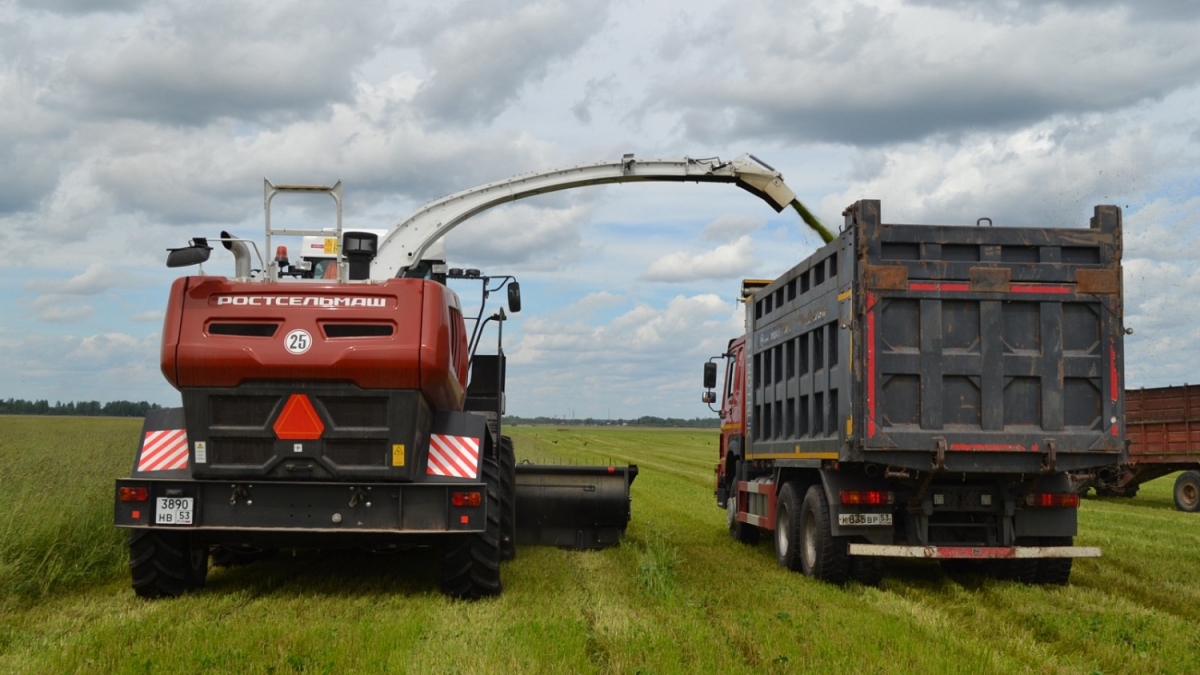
column 130, row 126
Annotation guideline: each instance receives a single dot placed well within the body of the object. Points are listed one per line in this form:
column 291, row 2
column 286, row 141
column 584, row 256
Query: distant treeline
column 646, row 421
column 16, row 406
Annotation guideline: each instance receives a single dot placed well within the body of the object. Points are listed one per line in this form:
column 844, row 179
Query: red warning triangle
column 298, row 421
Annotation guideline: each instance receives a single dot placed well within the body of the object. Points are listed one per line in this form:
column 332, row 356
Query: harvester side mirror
column 195, row 254
column 709, row 397
column 514, row 297
column 710, row 376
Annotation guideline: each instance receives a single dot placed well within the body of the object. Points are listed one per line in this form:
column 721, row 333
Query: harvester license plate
column 173, row 511
column 866, row 519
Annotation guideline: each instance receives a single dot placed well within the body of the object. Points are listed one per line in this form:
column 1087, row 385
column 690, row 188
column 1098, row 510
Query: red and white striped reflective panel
column 164, row 451
column 456, row 456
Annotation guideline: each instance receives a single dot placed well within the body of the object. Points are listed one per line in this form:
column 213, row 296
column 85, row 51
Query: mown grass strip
column 678, row 596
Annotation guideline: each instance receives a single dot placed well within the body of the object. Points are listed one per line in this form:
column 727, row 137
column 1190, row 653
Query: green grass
column 677, row 597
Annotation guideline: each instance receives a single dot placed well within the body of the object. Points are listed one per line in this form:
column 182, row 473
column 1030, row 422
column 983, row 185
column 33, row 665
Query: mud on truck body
column 921, row 391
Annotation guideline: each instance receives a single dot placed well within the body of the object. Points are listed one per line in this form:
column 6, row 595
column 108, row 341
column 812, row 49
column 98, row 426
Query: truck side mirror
column 514, row 297
column 709, row 397
column 710, row 375
column 195, row 254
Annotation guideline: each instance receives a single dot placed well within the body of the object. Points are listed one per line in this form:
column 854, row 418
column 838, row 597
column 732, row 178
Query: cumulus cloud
column 724, row 262
column 727, row 228
column 96, row 279
column 520, row 237
column 482, row 52
column 861, row 74
column 188, row 63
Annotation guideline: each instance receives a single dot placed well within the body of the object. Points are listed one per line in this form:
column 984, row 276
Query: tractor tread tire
column 1187, row 491
column 165, row 564
column 471, row 563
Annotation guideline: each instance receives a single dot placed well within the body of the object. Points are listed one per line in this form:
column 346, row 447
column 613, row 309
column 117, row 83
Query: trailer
column 1162, row 427
column 921, row 391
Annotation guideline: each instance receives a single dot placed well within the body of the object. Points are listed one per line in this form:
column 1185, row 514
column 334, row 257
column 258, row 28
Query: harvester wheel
column 165, row 563
column 1054, row 571
column 471, row 563
column 822, row 556
column 508, row 500
column 1187, row 491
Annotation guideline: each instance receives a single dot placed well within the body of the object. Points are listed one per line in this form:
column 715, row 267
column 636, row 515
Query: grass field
column 677, row 597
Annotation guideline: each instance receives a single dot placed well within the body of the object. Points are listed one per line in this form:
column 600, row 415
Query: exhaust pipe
column 241, row 256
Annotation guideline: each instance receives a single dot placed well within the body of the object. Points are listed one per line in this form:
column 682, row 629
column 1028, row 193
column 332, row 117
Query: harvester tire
column 1054, row 571
column 822, row 556
column 508, row 500
column 1187, row 491
column 471, row 563
column 165, row 564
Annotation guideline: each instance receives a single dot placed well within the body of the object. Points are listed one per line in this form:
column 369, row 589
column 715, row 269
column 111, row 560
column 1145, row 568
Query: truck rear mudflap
column 301, row 507
column 582, row 507
column 974, row 552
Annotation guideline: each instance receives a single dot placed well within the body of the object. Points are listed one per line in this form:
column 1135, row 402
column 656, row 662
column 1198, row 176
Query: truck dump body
column 922, row 391
column 965, row 349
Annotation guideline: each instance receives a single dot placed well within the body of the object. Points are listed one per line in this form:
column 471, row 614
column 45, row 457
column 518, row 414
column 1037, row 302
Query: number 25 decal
column 297, row 341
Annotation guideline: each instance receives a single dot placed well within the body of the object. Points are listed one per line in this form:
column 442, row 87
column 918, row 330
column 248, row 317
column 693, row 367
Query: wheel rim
column 1189, row 495
column 782, row 526
column 810, row 540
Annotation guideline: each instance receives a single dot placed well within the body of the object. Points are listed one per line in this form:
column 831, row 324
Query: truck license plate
column 173, row 511
column 866, row 519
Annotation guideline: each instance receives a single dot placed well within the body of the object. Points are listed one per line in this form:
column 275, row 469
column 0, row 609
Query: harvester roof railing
column 270, row 190
column 407, row 240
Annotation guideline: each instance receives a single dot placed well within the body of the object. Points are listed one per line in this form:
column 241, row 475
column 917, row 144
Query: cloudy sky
column 128, row 126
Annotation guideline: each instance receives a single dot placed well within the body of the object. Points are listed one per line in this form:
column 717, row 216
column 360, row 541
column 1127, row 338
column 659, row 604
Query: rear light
column 1061, row 500
column 466, row 498
column 868, row 497
column 134, row 494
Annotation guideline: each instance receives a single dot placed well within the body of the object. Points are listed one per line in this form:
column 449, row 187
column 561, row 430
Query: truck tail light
column 1061, row 500
column 134, row 494
column 466, row 498
column 868, row 497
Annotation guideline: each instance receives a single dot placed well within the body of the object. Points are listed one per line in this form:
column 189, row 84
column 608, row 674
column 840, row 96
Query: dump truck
column 1162, row 426
column 340, row 401
column 921, row 391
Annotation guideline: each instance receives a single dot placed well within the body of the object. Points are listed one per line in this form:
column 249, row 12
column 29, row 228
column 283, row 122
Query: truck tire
column 803, row 541
column 1021, row 570
column 471, row 563
column 866, row 569
column 508, row 500
column 739, row 531
column 166, row 564
column 1054, row 571
column 1187, row 491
